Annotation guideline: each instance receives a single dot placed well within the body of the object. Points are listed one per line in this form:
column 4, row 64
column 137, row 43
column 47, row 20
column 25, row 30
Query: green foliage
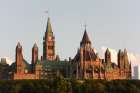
column 61, row 85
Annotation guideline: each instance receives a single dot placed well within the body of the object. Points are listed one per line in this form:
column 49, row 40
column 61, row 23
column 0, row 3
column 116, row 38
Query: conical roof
column 19, row 45
column 35, row 46
column 85, row 38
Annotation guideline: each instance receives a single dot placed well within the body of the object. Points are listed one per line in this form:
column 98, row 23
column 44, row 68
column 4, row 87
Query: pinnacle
column 107, row 50
column 35, row 45
column 49, row 28
column 19, row 45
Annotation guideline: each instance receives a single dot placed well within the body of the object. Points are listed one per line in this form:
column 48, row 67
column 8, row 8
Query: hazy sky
column 110, row 23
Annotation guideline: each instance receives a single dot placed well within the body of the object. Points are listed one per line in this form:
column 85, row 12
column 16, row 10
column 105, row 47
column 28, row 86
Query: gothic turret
column 121, row 59
column 49, row 43
column 19, row 59
column 34, row 56
column 107, row 56
column 126, row 61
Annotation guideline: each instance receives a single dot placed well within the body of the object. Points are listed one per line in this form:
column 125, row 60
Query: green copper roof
column 56, row 65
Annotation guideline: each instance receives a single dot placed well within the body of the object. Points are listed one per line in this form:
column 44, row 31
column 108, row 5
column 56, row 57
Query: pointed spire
column 85, row 38
column 35, row 46
column 19, row 45
column 49, row 27
column 120, row 53
column 107, row 51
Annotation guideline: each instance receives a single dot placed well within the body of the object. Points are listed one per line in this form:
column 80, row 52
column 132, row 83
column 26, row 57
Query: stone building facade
column 23, row 70
column 91, row 66
column 85, row 65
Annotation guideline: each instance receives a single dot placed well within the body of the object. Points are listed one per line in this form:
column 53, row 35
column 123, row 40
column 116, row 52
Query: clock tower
column 49, row 43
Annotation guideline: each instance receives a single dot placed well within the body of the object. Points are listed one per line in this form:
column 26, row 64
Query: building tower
column 19, row 59
column 85, row 56
column 126, row 61
column 107, row 56
column 34, row 56
column 121, row 59
column 49, row 43
column 85, row 45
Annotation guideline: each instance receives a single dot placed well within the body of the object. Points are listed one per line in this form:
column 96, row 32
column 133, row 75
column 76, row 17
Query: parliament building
column 85, row 65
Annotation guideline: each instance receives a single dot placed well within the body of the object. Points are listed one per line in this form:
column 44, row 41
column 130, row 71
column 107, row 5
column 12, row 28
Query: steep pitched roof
column 88, row 55
column 85, row 38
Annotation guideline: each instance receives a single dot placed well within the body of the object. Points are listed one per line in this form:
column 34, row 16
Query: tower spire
column 49, row 27
column 85, row 38
column 49, row 43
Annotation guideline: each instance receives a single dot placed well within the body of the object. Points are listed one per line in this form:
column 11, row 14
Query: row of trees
column 60, row 85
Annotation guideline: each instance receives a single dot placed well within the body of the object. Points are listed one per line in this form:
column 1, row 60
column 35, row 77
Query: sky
column 113, row 24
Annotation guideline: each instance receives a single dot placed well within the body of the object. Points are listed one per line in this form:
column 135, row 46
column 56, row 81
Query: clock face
column 49, row 37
